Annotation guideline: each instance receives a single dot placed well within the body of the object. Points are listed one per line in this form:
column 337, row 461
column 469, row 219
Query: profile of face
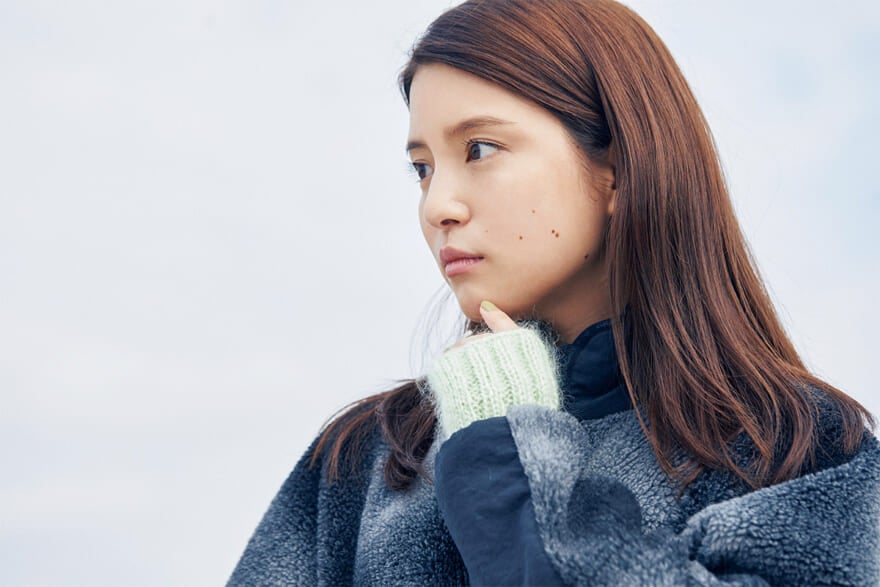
column 502, row 180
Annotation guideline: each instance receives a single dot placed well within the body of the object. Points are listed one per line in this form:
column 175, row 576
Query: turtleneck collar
column 590, row 377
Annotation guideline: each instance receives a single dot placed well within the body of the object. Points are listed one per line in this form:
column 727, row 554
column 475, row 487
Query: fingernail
column 487, row 305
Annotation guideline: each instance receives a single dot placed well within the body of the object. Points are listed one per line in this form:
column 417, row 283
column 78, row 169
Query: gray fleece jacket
column 605, row 512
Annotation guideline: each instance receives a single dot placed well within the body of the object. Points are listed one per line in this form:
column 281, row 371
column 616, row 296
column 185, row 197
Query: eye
column 421, row 170
column 478, row 149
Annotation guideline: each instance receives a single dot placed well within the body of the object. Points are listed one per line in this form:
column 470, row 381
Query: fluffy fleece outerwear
column 606, row 513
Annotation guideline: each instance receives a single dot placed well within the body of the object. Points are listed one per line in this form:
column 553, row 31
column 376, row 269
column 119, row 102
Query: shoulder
column 310, row 516
column 819, row 528
column 829, row 450
column 831, row 425
column 346, row 448
column 821, row 522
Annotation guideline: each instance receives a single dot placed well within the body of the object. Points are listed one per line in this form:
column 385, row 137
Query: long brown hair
column 704, row 355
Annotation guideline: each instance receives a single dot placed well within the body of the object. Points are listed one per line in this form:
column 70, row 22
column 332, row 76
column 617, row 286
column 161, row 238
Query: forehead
column 441, row 95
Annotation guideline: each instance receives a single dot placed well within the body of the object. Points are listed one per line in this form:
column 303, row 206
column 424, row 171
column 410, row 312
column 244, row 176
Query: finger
column 496, row 319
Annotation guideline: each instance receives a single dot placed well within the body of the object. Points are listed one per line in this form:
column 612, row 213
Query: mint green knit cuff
column 483, row 378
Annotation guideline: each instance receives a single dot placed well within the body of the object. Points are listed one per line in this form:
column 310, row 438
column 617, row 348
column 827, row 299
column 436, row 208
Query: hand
column 496, row 320
column 515, row 366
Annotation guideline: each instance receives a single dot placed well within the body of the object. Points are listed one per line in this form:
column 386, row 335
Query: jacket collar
column 589, row 374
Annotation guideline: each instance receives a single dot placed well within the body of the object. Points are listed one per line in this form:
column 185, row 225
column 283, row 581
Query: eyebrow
column 461, row 128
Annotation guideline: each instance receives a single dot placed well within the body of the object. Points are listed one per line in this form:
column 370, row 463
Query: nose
column 443, row 206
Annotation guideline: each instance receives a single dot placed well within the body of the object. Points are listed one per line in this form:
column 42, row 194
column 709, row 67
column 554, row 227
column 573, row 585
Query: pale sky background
column 209, row 243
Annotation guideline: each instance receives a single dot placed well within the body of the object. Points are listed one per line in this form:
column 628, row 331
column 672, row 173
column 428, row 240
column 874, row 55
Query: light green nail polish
column 487, row 305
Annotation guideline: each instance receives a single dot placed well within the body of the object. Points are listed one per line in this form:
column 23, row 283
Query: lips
column 450, row 254
column 456, row 261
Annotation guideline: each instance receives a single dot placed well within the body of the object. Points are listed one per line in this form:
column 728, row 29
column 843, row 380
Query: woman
column 624, row 408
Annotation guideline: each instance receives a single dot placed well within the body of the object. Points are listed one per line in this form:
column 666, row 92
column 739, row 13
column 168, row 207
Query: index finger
column 495, row 318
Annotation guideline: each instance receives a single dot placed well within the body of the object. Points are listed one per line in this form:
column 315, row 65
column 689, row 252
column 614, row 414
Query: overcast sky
column 209, row 243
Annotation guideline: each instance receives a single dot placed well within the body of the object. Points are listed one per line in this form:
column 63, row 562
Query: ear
column 612, row 199
column 611, row 162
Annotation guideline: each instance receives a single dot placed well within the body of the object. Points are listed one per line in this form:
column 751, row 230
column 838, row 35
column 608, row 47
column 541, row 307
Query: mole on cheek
column 553, row 231
column 520, row 237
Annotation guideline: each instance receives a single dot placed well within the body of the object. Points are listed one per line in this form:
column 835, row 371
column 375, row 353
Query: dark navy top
column 481, row 488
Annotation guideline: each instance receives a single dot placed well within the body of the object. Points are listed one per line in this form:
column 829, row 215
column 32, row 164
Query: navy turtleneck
column 482, row 491
column 590, row 377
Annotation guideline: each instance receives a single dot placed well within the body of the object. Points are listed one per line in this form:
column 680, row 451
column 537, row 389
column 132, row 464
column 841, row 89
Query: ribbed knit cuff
column 481, row 379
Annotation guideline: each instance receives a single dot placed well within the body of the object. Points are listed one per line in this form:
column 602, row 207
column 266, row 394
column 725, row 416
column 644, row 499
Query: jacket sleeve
column 484, row 497
column 282, row 550
column 819, row 529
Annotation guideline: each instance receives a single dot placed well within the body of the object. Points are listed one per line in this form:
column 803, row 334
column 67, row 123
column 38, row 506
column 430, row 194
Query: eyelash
column 471, row 142
column 413, row 169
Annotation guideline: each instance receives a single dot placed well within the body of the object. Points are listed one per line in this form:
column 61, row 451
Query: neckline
column 589, row 374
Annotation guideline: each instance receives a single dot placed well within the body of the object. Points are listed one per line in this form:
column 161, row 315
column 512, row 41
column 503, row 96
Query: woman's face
column 502, row 180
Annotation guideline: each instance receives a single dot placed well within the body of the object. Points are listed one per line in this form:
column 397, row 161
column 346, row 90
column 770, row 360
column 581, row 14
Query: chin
column 472, row 311
column 470, row 307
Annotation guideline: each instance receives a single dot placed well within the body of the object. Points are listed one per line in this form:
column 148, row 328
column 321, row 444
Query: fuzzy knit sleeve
column 483, row 378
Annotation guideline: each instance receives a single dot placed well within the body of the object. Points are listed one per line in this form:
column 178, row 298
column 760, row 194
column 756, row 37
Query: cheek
column 561, row 239
column 541, row 206
column 426, row 228
column 532, row 230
